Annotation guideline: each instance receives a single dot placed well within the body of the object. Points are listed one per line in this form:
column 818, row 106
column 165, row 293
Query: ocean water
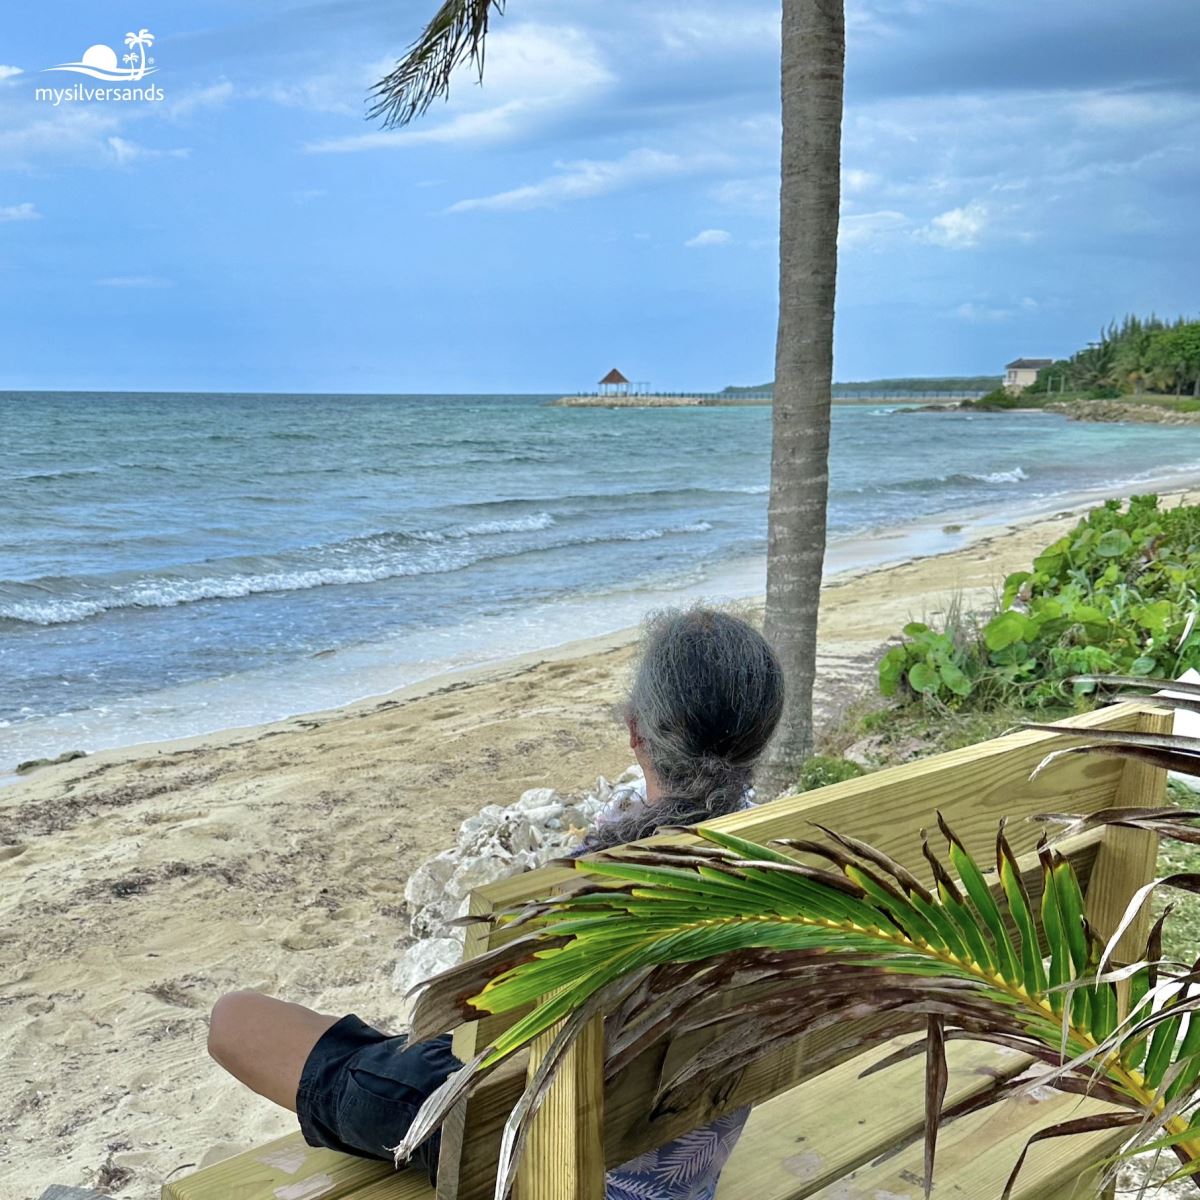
column 173, row 564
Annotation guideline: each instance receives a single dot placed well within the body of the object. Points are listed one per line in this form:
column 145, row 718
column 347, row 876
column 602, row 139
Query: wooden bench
column 818, row 1129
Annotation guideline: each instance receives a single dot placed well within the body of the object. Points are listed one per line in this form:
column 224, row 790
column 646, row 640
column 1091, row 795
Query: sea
column 177, row 564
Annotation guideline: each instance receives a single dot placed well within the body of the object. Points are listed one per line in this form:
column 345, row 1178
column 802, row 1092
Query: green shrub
column 821, row 770
column 1116, row 595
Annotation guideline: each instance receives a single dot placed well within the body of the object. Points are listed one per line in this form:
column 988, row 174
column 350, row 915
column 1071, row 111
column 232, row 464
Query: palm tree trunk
column 814, row 46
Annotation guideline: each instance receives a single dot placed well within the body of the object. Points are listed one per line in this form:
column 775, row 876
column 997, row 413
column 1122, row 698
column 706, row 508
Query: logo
column 100, row 62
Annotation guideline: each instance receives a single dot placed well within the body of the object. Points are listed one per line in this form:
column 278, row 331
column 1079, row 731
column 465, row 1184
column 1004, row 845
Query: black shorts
column 360, row 1090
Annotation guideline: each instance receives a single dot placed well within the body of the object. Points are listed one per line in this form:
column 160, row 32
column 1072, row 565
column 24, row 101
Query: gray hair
column 706, row 698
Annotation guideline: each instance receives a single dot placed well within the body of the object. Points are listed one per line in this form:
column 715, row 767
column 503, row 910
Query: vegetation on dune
column 1117, row 595
column 950, row 384
column 1139, row 355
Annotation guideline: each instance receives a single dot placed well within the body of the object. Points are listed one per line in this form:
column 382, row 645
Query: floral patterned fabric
column 689, row 1167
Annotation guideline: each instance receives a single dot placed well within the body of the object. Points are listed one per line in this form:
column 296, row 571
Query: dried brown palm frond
column 749, row 942
column 455, row 35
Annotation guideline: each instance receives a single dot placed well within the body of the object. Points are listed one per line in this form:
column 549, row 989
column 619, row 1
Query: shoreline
column 142, row 882
column 847, row 558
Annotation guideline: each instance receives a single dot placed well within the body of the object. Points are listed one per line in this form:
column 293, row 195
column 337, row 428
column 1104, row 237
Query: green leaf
column 891, row 670
column 1005, row 630
column 1114, row 543
column 924, row 679
column 954, row 679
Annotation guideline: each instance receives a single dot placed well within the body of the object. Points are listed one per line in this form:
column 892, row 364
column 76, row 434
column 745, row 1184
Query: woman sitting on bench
column 705, row 701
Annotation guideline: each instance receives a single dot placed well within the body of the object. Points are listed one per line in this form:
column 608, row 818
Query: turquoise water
column 174, row 564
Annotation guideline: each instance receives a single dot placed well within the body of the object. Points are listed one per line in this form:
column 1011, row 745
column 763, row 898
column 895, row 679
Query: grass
column 1181, row 933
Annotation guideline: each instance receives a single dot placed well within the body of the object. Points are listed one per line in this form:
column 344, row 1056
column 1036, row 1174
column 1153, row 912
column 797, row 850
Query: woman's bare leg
column 264, row 1042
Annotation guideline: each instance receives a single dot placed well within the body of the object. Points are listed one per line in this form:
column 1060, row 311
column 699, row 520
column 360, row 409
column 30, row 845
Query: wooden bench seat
column 818, row 1129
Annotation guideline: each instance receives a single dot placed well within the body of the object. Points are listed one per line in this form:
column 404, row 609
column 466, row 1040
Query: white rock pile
column 499, row 841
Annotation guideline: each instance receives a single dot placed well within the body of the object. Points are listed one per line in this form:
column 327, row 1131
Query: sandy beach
column 140, row 884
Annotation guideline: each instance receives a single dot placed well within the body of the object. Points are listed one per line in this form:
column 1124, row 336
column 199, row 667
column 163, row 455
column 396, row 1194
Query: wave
column 169, row 590
column 1016, row 475
column 931, row 484
column 48, row 476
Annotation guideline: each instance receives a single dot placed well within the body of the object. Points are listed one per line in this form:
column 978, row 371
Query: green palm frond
column 752, row 941
column 455, row 35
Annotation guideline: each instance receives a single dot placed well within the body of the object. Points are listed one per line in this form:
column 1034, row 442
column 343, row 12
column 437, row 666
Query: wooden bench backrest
column 585, row 1126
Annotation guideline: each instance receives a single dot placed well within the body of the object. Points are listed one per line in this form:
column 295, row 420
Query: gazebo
column 614, row 384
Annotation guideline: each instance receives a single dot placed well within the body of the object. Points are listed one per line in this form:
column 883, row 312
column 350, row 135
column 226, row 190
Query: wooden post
column 1127, row 857
column 564, row 1156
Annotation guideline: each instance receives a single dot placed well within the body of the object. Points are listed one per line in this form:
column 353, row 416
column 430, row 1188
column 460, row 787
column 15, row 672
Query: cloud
column 694, row 31
column 982, row 314
column 20, row 212
column 75, row 134
column 535, row 74
column 212, row 96
column 9, row 72
column 854, row 180
column 956, row 229
column 586, row 178
column 126, row 152
column 864, row 230
column 755, row 197
column 134, row 281
column 710, row 237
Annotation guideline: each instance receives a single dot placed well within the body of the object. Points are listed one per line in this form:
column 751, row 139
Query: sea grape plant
column 1118, row 594
column 652, row 932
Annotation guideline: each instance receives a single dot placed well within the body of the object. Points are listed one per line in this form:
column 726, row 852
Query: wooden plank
column 465, row 1044
column 1128, row 856
column 803, row 1140
column 630, row 1128
column 564, row 1157
column 976, row 1154
column 289, row 1169
column 973, row 787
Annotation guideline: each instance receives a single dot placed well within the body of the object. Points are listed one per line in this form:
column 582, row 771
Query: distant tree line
column 950, row 384
column 1136, row 356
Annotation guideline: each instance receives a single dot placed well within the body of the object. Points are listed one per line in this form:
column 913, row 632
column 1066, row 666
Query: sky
column 1015, row 174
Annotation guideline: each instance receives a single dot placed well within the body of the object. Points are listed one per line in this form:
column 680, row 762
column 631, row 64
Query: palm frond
column 748, row 941
column 456, row 35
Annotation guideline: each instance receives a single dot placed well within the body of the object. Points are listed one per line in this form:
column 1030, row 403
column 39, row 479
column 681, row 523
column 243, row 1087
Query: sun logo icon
column 100, row 61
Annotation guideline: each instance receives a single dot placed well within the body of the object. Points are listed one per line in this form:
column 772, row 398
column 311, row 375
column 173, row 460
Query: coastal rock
column 498, row 841
column 424, row 960
column 537, row 798
column 32, row 764
column 1122, row 410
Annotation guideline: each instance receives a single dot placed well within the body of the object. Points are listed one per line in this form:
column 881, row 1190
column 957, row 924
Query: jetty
column 658, row 400
column 615, row 390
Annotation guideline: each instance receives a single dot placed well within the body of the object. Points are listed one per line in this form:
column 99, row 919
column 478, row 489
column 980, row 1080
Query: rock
column 429, row 902
column 475, row 872
column 866, row 752
column 633, row 774
column 57, row 1191
column 493, row 844
column 537, row 798
column 424, row 960
column 32, row 764
column 875, row 749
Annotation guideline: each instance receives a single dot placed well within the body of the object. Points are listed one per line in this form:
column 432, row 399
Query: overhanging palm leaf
column 454, row 36
column 682, row 937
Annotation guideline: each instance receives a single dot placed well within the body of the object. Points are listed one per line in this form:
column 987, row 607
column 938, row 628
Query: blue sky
column 1014, row 175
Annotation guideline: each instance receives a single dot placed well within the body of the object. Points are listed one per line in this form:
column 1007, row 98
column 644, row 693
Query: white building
column 1021, row 372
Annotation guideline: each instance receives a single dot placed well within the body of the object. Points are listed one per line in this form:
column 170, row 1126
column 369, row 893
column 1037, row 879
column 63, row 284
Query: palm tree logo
column 137, row 59
column 100, row 61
